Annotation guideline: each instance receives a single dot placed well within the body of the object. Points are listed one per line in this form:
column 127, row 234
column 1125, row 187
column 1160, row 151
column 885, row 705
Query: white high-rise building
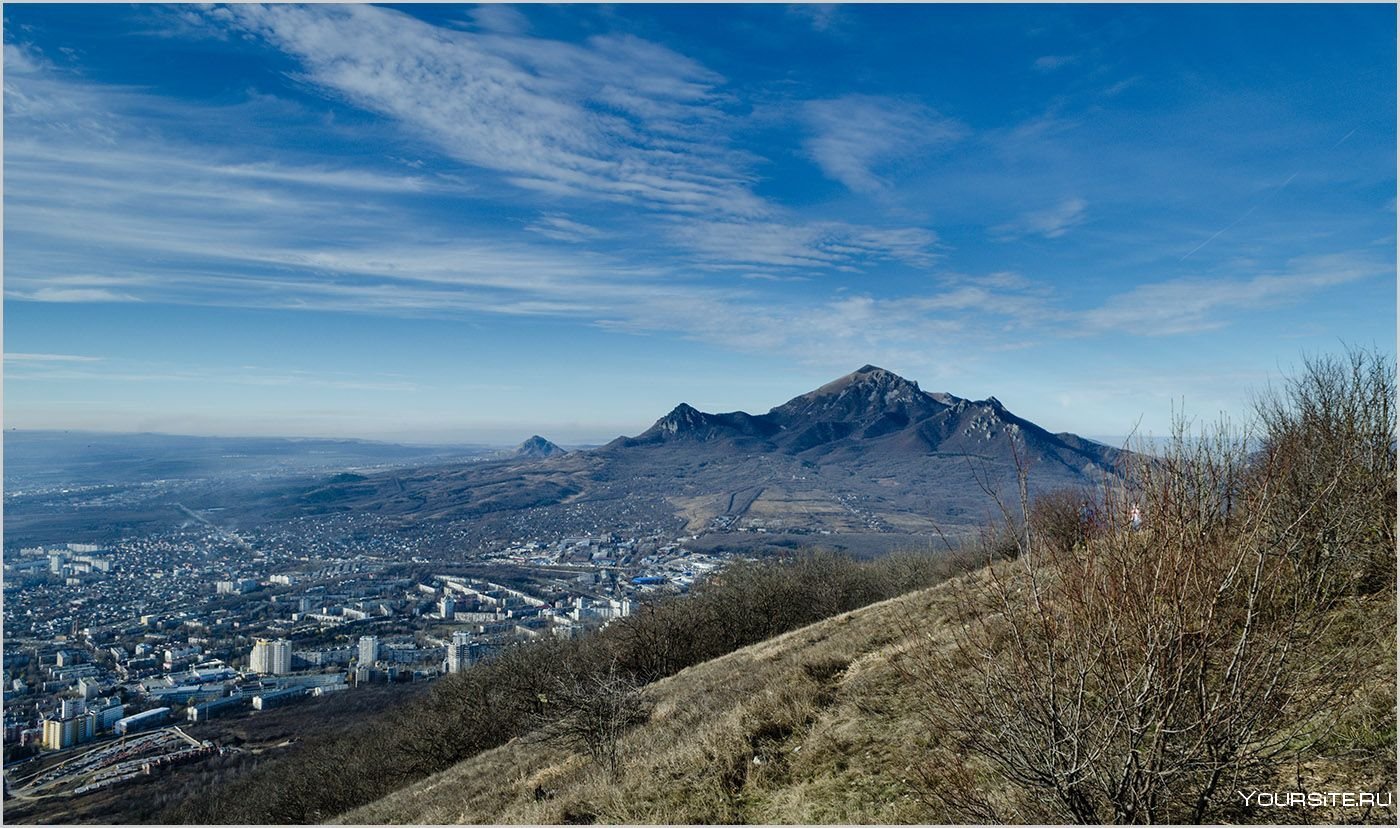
column 271, row 657
column 369, row 649
column 447, row 608
column 459, row 654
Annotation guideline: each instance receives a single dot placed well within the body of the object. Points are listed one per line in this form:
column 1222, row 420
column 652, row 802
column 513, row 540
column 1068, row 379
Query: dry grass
column 814, row 726
column 806, row 727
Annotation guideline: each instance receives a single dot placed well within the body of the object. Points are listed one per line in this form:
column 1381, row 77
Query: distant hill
column 87, row 458
column 537, row 447
column 867, row 455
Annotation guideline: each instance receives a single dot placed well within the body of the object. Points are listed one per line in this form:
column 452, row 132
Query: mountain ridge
column 868, row 458
column 869, row 403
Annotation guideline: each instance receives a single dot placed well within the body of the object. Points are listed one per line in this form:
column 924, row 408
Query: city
column 159, row 633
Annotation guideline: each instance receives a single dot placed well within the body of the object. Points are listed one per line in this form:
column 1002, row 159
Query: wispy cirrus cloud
column 822, row 17
column 39, row 368
column 561, row 228
column 615, row 118
column 621, row 201
column 156, row 172
column 21, row 60
column 53, row 294
column 809, row 244
column 854, row 136
column 1202, row 303
column 50, row 358
column 493, row 17
column 1051, row 222
column 180, row 222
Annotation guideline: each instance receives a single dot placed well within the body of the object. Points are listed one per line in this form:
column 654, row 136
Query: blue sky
column 479, row 222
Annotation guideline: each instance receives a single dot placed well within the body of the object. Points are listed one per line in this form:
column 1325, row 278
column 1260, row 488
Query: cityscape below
column 165, row 633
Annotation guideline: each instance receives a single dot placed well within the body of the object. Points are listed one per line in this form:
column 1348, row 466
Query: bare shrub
column 1057, row 517
column 656, row 641
column 1149, row 674
column 1330, row 455
column 591, row 713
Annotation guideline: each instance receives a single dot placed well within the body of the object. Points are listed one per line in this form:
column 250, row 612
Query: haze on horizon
column 475, row 223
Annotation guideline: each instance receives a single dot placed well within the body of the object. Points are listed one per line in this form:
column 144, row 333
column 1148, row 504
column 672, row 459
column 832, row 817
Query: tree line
column 581, row 693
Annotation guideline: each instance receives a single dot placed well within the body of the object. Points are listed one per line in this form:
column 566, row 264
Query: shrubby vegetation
column 1113, row 674
column 581, row 692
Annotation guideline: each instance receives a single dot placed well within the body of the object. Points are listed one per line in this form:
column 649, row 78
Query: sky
column 474, row 223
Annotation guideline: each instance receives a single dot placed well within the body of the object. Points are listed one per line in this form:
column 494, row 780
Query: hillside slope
column 805, row 727
column 814, row 726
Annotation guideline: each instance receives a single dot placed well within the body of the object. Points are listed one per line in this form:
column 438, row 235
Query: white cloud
column 1120, row 87
column 1049, row 63
column 90, row 169
column 1051, row 223
column 50, row 358
column 855, row 135
column 175, row 224
column 615, row 118
column 46, row 294
column 822, row 17
column 46, row 161
column 62, row 368
column 22, row 60
column 812, row 244
column 498, row 17
column 1189, row 305
column 561, row 228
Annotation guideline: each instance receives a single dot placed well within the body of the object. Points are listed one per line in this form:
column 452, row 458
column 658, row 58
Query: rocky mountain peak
column 682, row 417
column 682, row 421
column 865, row 394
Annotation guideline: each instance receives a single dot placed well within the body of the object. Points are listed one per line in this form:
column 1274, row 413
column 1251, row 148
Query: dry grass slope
column 814, row 726
column 805, row 727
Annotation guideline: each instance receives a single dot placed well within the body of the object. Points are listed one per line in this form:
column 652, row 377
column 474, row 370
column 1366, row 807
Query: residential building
column 369, row 649
column 459, row 654
column 271, row 657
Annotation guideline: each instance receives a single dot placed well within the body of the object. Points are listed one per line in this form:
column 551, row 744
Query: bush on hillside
column 1057, row 517
column 1150, row 674
column 591, row 713
column 1329, row 453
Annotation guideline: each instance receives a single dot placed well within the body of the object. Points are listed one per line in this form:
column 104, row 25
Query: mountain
column 537, row 447
column 869, row 459
column 875, row 410
column 685, row 424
